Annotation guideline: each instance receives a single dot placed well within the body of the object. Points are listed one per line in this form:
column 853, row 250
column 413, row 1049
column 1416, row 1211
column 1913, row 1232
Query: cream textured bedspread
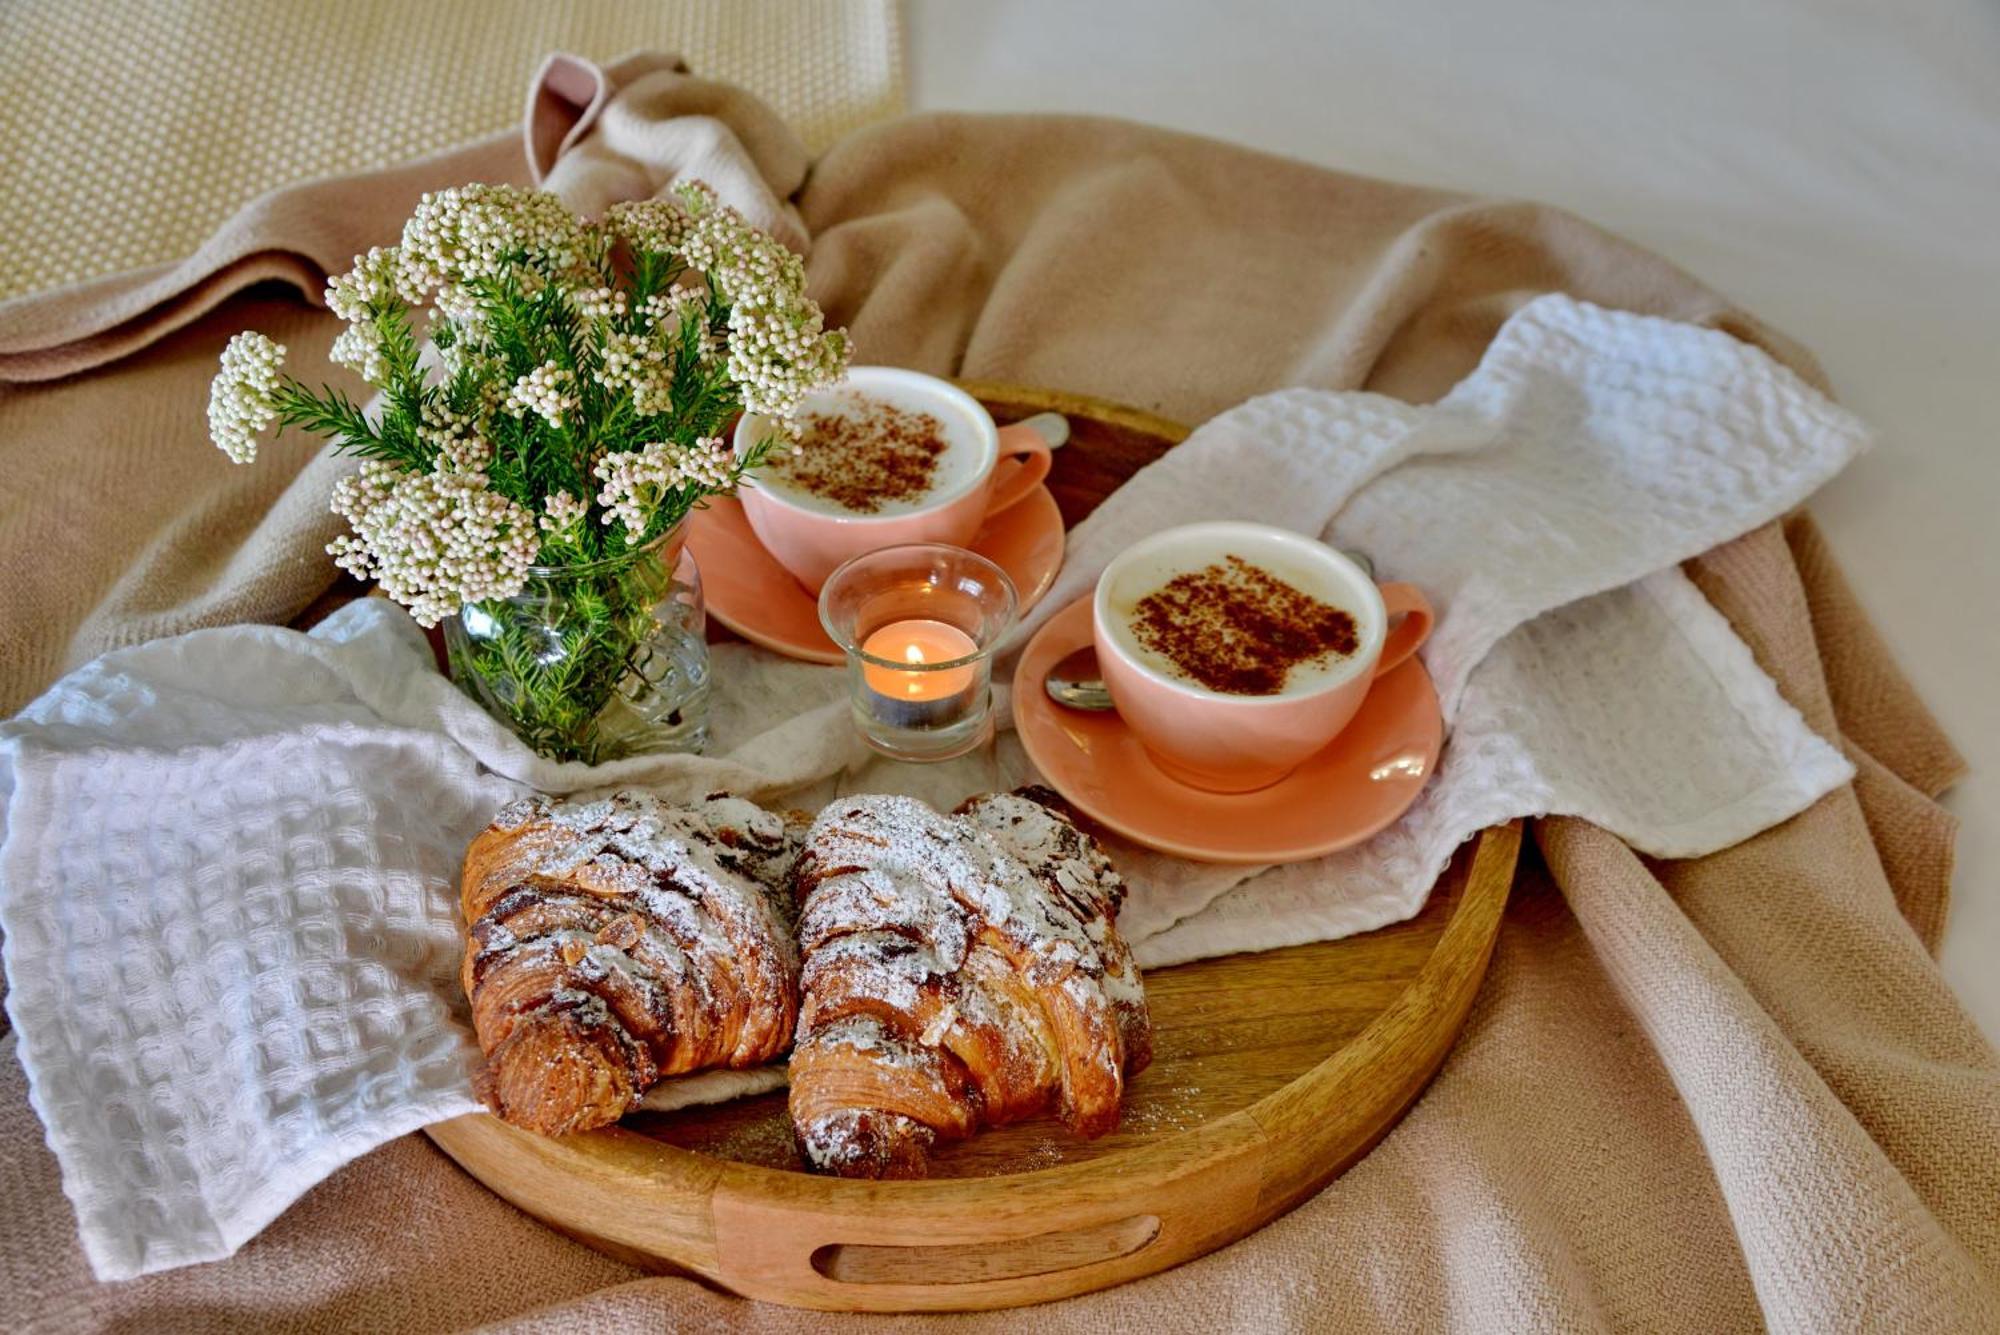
column 134, row 129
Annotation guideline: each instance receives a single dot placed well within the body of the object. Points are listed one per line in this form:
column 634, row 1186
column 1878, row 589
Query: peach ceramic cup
column 1008, row 463
column 1240, row 743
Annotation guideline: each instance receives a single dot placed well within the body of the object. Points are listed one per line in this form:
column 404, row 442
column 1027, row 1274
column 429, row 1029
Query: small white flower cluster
column 712, row 227
column 462, row 309
column 474, row 231
column 433, row 541
column 665, row 311
column 709, row 464
column 635, row 364
column 359, row 296
column 549, row 389
column 241, row 397
column 635, row 481
column 779, row 347
column 359, row 349
column 779, row 354
column 658, row 225
column 564, row 512
column 600, row 303
column 460, row 439
column 371, row 282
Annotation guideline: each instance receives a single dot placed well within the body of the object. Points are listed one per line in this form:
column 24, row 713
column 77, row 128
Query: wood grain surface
column 1272, row 1073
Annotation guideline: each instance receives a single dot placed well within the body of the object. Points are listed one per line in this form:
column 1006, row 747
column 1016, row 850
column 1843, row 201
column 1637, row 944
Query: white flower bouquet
column 529, row 482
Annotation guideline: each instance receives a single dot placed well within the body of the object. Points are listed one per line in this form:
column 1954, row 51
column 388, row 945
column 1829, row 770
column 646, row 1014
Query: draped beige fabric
column 1706, row 1096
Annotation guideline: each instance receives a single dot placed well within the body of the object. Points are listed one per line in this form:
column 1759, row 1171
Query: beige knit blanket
column 1700, row 1096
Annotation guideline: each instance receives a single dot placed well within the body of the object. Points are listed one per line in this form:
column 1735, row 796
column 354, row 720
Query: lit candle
column 918, row 643
column 918, row 624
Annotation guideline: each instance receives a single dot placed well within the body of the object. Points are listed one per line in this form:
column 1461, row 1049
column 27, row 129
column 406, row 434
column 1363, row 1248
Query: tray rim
column 757, row 1230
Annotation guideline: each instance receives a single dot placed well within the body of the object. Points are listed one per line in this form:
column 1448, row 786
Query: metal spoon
column 1075, row 682
column 1051, row 427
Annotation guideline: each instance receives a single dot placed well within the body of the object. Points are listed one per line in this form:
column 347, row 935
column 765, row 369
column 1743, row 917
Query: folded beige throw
column 1705, row 1096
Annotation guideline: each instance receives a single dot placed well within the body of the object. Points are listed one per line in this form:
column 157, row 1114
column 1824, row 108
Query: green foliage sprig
column 583, row 375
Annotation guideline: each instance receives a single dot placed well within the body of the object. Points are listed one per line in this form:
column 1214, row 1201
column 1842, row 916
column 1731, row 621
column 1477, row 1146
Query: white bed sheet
column 1834, row 165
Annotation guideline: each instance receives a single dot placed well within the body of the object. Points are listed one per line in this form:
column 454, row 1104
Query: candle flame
column 912, row 660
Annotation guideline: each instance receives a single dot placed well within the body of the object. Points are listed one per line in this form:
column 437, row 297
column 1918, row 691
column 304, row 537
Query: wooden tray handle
column 827, row 1248
column 972, row 1263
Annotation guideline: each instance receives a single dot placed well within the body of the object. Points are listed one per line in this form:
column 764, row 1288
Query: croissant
column 616, row 942
column 959, row 971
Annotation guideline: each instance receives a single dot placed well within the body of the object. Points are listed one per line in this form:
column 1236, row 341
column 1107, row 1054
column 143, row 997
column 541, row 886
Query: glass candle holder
column 919, row 625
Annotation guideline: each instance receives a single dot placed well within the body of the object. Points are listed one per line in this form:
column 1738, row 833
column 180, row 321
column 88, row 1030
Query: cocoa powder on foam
column 1237, row 629
column 865, row 459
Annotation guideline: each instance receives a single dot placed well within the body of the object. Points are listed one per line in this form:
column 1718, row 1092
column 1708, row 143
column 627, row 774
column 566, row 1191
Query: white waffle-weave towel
column 228, row 873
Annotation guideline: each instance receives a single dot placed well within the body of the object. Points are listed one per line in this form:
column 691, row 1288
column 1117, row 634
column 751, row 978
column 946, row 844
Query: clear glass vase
column 594, row 662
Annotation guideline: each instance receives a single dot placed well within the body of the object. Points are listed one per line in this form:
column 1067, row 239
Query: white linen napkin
column 228, row 875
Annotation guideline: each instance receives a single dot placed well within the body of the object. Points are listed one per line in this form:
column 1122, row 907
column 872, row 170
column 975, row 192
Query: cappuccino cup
column 888, row 458
column 1235, row 651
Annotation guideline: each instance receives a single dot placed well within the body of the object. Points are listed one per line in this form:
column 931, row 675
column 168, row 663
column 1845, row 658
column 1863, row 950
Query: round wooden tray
column 1272, row 1073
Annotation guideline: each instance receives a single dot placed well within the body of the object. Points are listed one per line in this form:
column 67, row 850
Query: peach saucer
column 749, row 592
column 1357, row 785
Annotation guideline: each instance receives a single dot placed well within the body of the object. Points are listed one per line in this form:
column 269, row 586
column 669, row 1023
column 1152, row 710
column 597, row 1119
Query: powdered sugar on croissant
column 615, row 942
column 959, row 971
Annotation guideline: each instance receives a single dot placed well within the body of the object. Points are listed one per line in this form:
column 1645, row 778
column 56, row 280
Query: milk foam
column 964, row 459
column 1150, row 572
